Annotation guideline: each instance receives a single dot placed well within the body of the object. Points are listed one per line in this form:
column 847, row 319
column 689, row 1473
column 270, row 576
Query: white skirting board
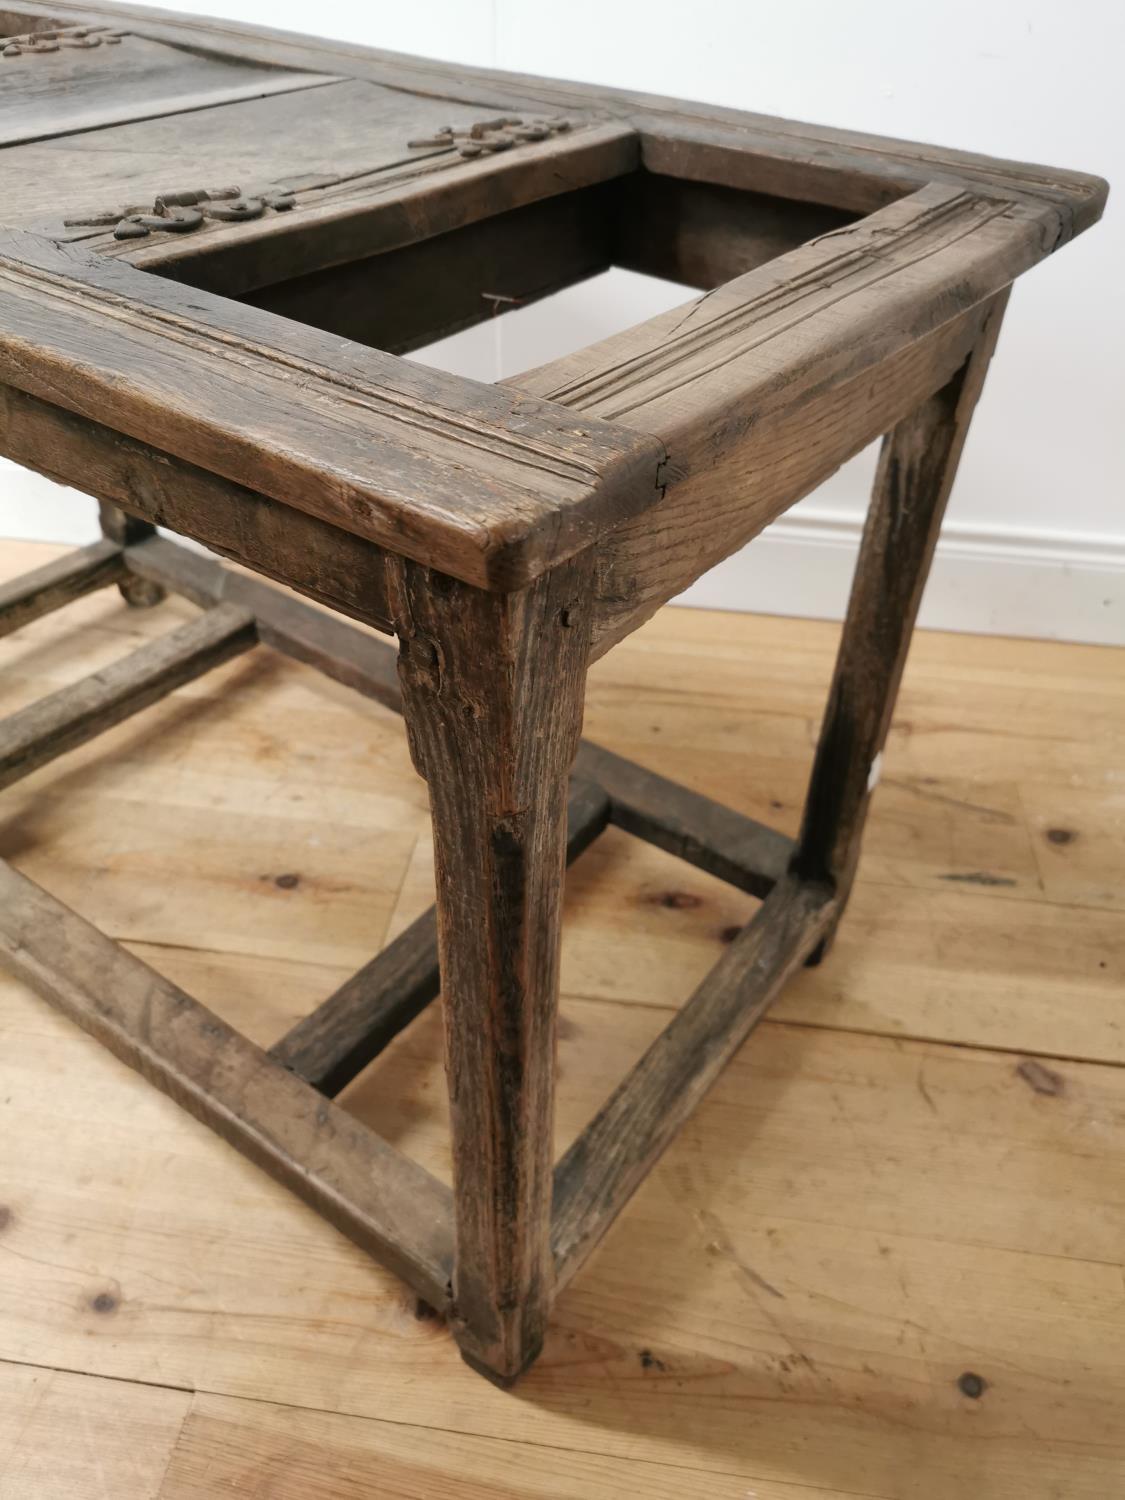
column 1042, row 584
column 35, row 509
column 1045, row 585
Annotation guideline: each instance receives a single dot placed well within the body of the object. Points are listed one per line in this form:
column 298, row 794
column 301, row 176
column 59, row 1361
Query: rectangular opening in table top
column 690, row 233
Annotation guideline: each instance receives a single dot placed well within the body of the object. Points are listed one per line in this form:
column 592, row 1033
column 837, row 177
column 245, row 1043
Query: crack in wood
column 875, row 251
column 428, row 417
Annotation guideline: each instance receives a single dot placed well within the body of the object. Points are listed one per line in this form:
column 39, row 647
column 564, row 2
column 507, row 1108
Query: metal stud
column 237, row 210
column 175, row 220
column 50, row 40
column 500, row 133
column 92, row 221
column 182, row 210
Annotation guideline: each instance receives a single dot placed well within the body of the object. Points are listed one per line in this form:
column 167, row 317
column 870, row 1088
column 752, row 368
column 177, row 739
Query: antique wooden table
column 217, row 243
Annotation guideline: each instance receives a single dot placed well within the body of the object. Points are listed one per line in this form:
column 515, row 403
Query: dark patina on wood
column 361, row 204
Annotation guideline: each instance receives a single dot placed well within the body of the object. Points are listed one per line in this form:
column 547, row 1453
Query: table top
column 358, row 203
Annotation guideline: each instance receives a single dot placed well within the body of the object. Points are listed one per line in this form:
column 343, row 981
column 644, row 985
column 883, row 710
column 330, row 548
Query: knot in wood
column 508, row 837
column 422, row 654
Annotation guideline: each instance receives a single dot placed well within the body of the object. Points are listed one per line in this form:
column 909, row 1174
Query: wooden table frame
column 508, row 535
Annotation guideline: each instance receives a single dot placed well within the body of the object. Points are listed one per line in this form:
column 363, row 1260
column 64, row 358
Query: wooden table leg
column 493, row 688
column 916, row 470
column 126, row 531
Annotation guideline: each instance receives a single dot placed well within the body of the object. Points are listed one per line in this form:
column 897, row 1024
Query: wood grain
column 235, row 1445
column 979, row 1231
column 57, row 583
column 849, row 169
column 359, row 1182
column 495, row 735
column 335, row 1042
column 340, row 217
column 763, row 388
column 79, row 713
column 749, row 855
column 358, row 438
column 343, row 148
column 61, row 1435
column 308, row 554
column 917, row 466
column 348, row 655
column 121, row 528
column 73, row 90
column 612, row 1156
column 489, row 582
column 774, row 364
column 889, row 276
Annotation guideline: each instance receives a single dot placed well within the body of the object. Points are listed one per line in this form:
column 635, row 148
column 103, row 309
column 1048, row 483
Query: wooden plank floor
column 913, row 1174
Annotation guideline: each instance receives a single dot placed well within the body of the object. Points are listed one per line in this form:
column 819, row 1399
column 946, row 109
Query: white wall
column 1035, row 542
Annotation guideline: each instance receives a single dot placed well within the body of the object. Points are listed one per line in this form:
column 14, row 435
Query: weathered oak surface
column 609, row 1160
column 325, row 563
column 748, row 854
column 495, row 735
column 917, row 466
column 57, row 583
column 977, row 1232
column 363, row 441
column 78, row 713
column 850, row 169
column 76, row 89
column 507, row 534
column 337, row 1040
column 358, row 438
column 761, row 389
column 371, row 1192
column 355, row 658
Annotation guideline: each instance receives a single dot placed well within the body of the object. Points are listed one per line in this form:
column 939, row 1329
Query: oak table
column 217, row 243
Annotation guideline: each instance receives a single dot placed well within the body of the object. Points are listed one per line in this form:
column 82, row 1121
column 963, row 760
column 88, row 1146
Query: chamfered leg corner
column 507, row 1380
column 493, row 686
column 917, row 466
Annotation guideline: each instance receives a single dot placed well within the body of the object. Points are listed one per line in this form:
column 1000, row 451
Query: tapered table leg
column 492, row 690
column 917, row 466
column 126, row 530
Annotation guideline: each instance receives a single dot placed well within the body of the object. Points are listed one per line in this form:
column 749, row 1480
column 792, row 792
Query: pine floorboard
column 914, row 1172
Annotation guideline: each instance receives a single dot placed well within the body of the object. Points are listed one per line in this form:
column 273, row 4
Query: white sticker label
column 875, row 772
